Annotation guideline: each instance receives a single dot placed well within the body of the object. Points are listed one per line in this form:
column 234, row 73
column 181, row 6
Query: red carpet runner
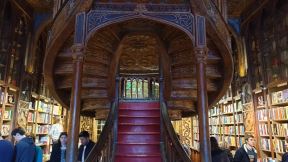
column 138, row 132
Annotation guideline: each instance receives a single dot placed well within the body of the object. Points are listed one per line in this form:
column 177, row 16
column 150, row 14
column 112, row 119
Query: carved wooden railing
column 104, row 150
column 140, row 87
column 172, row 150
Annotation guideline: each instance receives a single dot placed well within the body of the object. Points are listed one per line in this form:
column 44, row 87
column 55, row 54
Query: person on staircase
column 247, row 152
column 85, row 147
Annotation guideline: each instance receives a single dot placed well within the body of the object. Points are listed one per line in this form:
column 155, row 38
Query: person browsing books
column 247, row 152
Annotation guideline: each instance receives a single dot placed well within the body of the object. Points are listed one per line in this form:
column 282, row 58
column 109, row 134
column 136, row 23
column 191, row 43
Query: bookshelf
column 8, row 102
column 226, row 120
column 278, row 99
column 37, row 117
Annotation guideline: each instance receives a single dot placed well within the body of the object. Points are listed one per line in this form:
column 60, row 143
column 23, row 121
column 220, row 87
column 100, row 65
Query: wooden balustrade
column 104, row 150
column 172, row 149
column 139, row 87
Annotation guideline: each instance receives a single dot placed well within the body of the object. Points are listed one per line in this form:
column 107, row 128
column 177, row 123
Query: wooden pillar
column 202, row 105
column 74, row 120
column 75, row 101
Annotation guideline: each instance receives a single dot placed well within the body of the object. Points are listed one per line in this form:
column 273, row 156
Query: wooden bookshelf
column 226, row 120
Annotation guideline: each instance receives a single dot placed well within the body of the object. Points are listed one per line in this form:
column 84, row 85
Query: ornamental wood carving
column 140, row 54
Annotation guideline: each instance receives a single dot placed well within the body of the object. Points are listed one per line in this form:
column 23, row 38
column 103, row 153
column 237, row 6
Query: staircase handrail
column 167, row 127
column 106, row 135
column 104, row 150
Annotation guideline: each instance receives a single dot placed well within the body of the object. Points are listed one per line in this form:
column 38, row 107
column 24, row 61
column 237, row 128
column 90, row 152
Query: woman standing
column 59, row 149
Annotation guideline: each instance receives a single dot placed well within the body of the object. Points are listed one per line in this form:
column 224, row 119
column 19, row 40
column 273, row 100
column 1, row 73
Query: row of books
column 238, row 106
column 279, row 145
column 240, row 130
column 262, row 114
column 43, row 118
column 10, row 99
column 280, row 129
column 214, row 121
column 228, row 108
column 215, row 129
column 279, row 97
column 232, row 130
column 31, row 117
column 7, row 114
column 265, row 144
column 43, row 106
column 42, row 129
column 227, row 119
column 214, row 111
column 231, row 140
column 228, row 130
column 241, row 141
column 239, row 118
column 279, row 113
column 263, row 129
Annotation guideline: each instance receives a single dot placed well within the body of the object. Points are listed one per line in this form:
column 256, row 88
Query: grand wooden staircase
column 138, row 132
column 136, row 45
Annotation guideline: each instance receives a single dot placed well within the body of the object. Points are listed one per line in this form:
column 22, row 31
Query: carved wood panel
column 140, row 53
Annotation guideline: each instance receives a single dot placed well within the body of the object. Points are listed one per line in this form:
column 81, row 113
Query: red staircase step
column 132, row 112
column 139, row 105
column 138, row 128
column 139, row 120
column 138, row 158
column 132, row 148
column 138, row 137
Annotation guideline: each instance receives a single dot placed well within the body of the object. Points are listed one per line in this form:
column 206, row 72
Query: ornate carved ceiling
column 139, row 54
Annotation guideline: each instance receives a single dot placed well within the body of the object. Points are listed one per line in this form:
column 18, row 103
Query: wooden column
column 202, row 105
column 74, row 121
column 200, row 52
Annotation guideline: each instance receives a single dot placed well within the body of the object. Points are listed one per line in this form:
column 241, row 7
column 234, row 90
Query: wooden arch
column 126, row 17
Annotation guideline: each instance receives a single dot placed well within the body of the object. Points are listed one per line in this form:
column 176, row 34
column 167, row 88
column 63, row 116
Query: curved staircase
column 134, row 134
column 138, row 132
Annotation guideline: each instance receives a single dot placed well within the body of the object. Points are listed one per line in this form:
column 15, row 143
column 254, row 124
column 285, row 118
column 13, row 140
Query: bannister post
column 74, row 121
column 75, row 101
column 202, row 105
